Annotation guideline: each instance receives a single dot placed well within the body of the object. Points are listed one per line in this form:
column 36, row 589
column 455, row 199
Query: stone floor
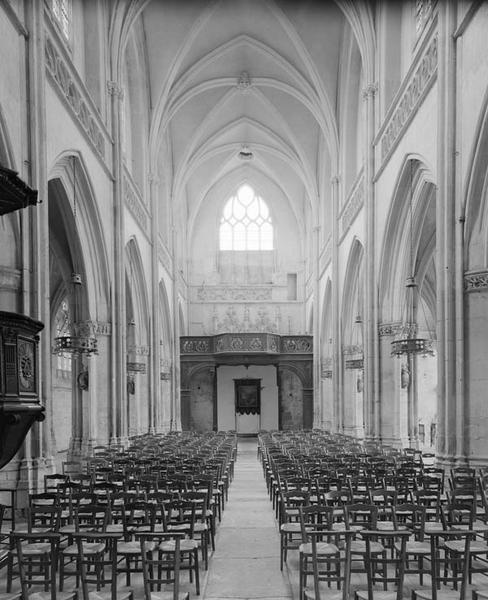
column 246, row 562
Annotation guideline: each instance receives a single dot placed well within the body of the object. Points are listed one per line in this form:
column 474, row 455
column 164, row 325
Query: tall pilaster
column 155, row 385
column 337, row 396
column 371, row 341
column 119, row 320
column 317, row 406
column 451, row 417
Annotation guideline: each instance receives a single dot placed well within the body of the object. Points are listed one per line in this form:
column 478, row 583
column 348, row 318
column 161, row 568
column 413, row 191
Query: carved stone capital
column 114, row 89
column 369, row 90
column 475, row 281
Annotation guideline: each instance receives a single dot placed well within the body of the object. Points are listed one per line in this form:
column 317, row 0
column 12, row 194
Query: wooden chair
column 447, row 568
column 329, row 557
column 105, row 570
column 394, row 565
column 37, row 556
column 160, row 566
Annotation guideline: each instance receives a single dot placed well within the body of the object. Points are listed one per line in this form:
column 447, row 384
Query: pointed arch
column 409, row 241
column 138, row 291
column 352, row 294
column 69, row 176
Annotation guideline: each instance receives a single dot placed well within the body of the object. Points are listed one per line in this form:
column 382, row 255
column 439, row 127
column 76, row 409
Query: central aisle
column 246, row 562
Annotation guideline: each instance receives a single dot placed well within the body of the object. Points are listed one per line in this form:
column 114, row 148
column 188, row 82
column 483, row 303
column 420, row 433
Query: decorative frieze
column 195, row 345
column 409, row 101
column 267, row 343
column 475, row 281
column 247, row 342
column 352, row 206
column 243, row 293
column 134, row 203
column 71, row 88
column 292, row 344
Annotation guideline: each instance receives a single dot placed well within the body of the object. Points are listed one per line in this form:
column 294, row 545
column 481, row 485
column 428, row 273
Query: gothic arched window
column 246, row 223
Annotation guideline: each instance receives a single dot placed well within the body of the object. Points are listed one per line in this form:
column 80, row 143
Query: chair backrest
column 84, row 562
column 411, row 516
column 37, row 556
column 160, row 568
column 43, row 517
column 361, row 515
column 398, row 560
column 89, row 517
column 333, row 566
column 457, row 576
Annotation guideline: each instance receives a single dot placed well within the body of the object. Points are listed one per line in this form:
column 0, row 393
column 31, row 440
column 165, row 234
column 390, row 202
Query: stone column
column 451, row 413
column 371, row 363
column 38, row 447
column 118, row 408
column 476, row 326
column 389, row 409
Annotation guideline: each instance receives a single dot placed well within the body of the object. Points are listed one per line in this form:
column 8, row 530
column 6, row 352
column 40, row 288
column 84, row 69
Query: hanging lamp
column 409, row 344
column 76, row 338
column 357, row 348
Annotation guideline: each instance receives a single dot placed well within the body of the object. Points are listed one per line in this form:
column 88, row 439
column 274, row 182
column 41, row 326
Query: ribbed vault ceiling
column 252, row 75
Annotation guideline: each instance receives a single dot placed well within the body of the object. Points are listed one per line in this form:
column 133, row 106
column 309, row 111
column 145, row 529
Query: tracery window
column 62, row 13
column 62, row 327
column 246, row 222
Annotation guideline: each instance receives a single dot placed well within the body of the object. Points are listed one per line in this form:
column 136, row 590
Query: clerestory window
column 246, row 223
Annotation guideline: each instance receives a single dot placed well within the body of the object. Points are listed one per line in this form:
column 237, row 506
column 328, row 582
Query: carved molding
column 164, row 256
column 10, row 279
column 134, row 203
column 397, row 329
column 475, row 281
column 114, row 89
column 217, row 293
column 410, row 100
column 353, row 205
column 302, row 344
column 139, row 350
column 76, row 96
column 94, row 328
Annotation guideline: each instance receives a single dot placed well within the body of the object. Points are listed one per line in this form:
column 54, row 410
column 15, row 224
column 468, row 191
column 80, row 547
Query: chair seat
column 310, row 595
column 199, row 527
column 290, row 528
column 134, row 547
column 459, row 545
column 359, row 546
column 89, row 549
column 47, row 595
column 169, row 596
column 67, row 529
column 415, row 547
column 426, row 594
column 115, row 528
column 122, row 594
column 483, row 594
column 10, row 595
column 185, row 545
column 322, row 548
column 36, row 548
column 378, row 594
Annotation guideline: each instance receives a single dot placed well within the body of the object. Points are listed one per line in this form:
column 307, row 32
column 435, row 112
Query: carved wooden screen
column 248, row 396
